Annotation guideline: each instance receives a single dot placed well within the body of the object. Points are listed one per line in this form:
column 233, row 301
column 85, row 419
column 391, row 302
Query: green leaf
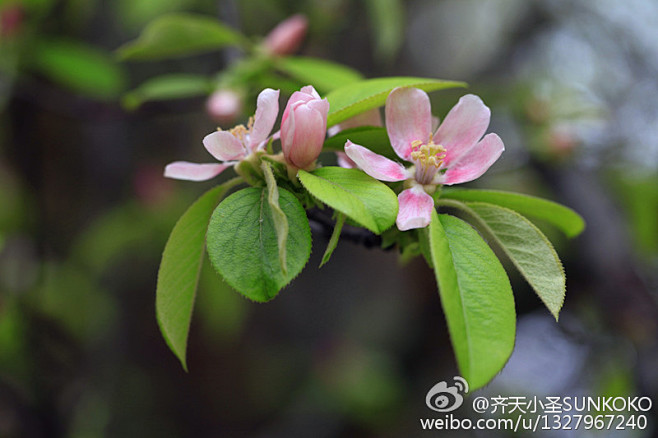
column 355, row 194
column 79, row 67
column 322, row 74
column 167, row 87
column 529, row 250
column 180, row 34
column 372, row 137
column 242, row 242
column 564, row 218
column 179, row 270
column 476, row 297
column 278, row 216
column 333, row 241
column 359, row 97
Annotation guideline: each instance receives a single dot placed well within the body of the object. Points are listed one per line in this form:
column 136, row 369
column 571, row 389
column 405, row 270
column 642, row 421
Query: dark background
column 350, row 349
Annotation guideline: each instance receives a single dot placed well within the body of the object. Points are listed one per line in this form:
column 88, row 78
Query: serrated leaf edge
column 285, row 285
column 483, row 224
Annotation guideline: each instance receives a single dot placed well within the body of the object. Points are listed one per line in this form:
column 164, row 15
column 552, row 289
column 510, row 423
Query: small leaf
column 179, row 270
column 528, row 249
column 564, row 218
column 167, row 87
column 278, row 216
column 476, row 297
column 242, row 242
column 333, row 241
column 180, row 34
column 322, row 74
column 372, row 137
column 359, row 97
column 79, row 67
column 355, row 194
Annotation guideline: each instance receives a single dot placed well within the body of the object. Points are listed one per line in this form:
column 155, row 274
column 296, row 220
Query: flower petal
column 310, row 91
column 320, row 105
column 305, row 95
column 478, row 159
column 415, row 208
column 435, row 123
column 408, row 118
column 224, row 146
column 267, row 110
column 345, row 161
column 464, row 125
column 193, row 171
column 374, row 164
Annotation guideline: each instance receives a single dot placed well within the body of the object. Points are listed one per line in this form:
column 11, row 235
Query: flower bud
column 303, row 127
column 287, row 36
column 224, row 106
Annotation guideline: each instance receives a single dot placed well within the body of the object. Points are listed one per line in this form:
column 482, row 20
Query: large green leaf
column 558, row 215
column 180, row 34
column 322, row 74
column 355, row 194
column 179, row 270
column 371, row 137
column 166, row 87
column 79, row 67
column 361, row 96
column 528, row 249
column 476, row 297
column 243, row 246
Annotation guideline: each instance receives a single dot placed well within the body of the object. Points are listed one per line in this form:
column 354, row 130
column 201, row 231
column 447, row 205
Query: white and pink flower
column 231, row 147
column 454, row 154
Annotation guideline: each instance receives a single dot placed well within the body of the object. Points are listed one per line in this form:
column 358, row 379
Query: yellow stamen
column 428, row 158
column 239, row 132
column 428, row 154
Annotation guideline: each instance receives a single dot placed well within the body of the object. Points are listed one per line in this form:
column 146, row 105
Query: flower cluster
column 454, row 153
column 302, row 134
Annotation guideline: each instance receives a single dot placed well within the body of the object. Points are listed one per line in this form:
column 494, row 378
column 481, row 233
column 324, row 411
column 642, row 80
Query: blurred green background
column 350, row 349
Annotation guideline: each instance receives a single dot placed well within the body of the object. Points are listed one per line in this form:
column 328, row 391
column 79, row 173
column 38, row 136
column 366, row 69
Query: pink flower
column 230, row 147
column 456, row 153
column 287, row 36
column 303, row 127
column 224, row 106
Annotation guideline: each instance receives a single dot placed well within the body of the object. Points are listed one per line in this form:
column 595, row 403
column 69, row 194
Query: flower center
column 239, row 132
column 427, row 157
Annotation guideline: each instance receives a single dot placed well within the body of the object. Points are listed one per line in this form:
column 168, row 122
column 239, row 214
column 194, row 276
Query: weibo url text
column 538, row 422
